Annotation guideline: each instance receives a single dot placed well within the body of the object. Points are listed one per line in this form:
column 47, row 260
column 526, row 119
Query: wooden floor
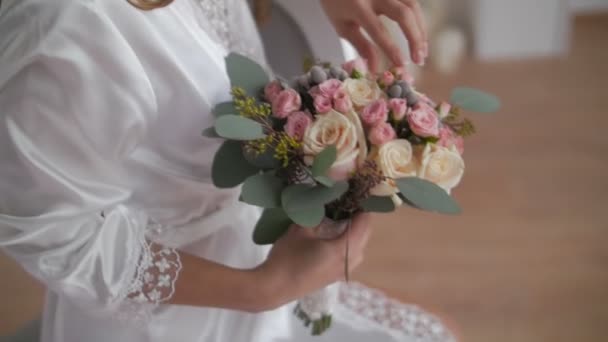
column 528, row 261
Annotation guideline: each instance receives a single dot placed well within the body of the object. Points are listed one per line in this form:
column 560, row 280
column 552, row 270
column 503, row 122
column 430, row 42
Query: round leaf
column 210, row 133
column 230, row 168
column 325, row 181
column 265, row 161
column 300, row 197
column 246, row 73
column 378, row 204
column 271, row 226
column 225, row 108
column 324, row 160
column 427, row 196
column 307, row 218
column 263, row 190
column 475, row 100
column 238, row 128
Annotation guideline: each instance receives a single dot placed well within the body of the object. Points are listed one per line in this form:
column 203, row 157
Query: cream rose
column 396, row 160
column 341, row 130
column 442, row 166
column 362, row 91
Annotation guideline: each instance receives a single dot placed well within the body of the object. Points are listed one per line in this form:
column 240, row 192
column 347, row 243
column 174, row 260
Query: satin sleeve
column 74, row 103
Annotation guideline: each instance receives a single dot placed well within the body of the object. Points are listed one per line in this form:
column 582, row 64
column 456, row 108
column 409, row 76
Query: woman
column 105, row 179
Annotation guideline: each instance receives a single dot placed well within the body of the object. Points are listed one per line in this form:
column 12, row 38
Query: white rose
column 341, row 131
column 442, row 166
column 362, row 91
column 396, row 160
column 361, row 139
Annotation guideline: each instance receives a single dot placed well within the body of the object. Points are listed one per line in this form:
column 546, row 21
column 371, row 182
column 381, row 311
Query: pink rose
column 314, row 91
column 425, row 101
column 272, row 90
column 329, row 87
column 444, row 110
column 375, row 113
column 358, row 64
column 342, row 102
column 381, row 134
column 287, row 102
column 322, row 104
column 297, row 124
column 424, row 121
column 398, row 107
column 447, row 138
column 387, row 78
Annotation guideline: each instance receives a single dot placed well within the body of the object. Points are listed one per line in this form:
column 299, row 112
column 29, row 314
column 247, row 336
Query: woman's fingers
column 406, row 18
column 360, row 232
column 366, row 48
column 420, row 19
column 372, row 24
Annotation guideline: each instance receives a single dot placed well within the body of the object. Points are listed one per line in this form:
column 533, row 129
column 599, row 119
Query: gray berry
column 335, row 71
column 394, row 91
column 317, row 74
column 343, row 75
column 405, row 88
column 411, row 98
column 303, row 81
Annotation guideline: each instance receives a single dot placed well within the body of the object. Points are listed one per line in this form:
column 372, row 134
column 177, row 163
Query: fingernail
column 420, row 58
column 426, row 49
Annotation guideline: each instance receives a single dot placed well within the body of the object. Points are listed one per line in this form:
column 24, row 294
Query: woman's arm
column 297, row 265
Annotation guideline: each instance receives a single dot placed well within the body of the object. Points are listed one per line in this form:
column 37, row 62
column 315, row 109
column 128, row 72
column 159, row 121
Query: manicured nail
column 420, row 57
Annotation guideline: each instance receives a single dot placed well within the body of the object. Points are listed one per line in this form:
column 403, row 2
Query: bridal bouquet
column 334, row 142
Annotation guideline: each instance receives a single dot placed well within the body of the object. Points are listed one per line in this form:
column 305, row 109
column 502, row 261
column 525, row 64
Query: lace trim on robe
column 404, row 319
column 157, row 271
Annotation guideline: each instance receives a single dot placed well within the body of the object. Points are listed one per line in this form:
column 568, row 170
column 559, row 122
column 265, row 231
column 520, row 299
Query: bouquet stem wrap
column 315, row 309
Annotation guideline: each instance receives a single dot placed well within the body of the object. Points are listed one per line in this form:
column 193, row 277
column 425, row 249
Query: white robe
column 101, row 111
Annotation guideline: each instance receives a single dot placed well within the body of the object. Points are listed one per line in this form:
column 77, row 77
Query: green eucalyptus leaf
column 475, row 100
column 246, row 73
column 324, row 160
column 325, row 181
column 305, row 204
column 426, row 195
column 238, row 128
column 225, row 108
column 230, row 168
column 378, row 204
column 307, row 218
column 407, row 202
column 299, row 197
column 271, row 226
column 210, row 133
column 263, row 190
column 265, row 161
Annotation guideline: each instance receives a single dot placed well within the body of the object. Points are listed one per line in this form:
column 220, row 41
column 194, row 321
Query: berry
column 411, row 98
column 395, row 91
column 405, row 87
column 304, row 82
column 335, row 71
column 318, row 75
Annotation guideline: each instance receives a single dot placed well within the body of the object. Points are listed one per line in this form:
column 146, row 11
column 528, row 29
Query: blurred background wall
column 528, row 259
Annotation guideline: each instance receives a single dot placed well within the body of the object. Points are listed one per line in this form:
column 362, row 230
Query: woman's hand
column 350, row 16
column 299, row 263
